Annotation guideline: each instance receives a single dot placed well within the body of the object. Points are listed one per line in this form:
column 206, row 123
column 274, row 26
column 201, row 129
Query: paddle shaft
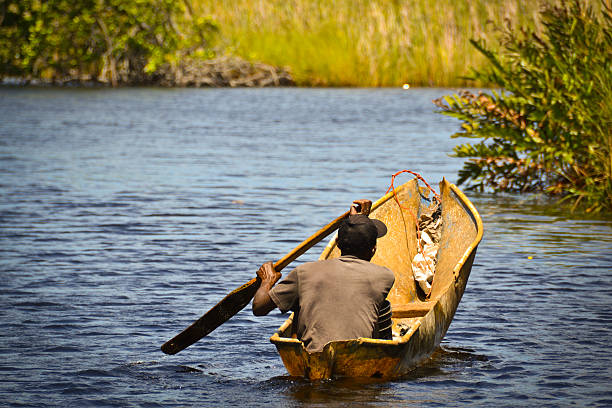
column 236, row 300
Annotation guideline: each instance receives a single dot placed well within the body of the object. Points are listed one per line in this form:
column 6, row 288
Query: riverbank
column 224, row 71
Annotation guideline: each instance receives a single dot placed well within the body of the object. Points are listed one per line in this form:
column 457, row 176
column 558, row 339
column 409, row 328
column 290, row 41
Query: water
column 126, row 214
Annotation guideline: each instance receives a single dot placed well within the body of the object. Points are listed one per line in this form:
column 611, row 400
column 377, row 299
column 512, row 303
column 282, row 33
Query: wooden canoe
column 424, row 320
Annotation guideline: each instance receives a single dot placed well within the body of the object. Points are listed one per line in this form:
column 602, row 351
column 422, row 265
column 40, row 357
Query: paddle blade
column 215, row 317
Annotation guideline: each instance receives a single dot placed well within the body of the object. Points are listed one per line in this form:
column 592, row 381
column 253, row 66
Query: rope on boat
column 417, row 175
column 416, row 220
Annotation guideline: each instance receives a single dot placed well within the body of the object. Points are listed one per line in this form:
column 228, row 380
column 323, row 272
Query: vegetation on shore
column 549, row 128
column 340, row 43
column 366, row 42
column 119, row 42
column 113, row 41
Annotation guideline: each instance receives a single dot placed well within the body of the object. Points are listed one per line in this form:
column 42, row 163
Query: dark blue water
column 126, row 214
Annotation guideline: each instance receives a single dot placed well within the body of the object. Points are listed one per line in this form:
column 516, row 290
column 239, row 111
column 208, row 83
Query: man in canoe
column 333, row 299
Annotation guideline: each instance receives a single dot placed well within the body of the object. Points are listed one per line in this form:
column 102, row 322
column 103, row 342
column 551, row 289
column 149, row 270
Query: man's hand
column 262, row 303
column 268, row 275
column 361, row 207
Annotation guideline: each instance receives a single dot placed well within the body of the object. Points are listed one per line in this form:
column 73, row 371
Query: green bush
column 549, row 127
column 114, row 40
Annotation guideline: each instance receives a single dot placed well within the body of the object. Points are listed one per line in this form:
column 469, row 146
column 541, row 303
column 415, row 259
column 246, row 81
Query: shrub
column 115, row 41
column 549, row 127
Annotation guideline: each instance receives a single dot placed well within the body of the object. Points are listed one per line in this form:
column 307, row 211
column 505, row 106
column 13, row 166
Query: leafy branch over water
column 549, row 128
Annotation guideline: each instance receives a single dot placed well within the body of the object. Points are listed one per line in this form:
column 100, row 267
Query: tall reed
column 366, row 42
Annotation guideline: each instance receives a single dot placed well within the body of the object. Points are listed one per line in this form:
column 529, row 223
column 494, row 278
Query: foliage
column 365, row 42
column 550, row 127
column 339, row 43
column 111, row 40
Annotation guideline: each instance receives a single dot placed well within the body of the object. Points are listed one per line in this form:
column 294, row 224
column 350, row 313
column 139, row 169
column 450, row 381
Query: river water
column 126, row 214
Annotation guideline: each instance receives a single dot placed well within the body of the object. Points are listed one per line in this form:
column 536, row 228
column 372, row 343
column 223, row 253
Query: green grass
column 366, row 43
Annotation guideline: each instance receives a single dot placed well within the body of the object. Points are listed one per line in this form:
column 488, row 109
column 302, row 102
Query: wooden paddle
column 236, row 300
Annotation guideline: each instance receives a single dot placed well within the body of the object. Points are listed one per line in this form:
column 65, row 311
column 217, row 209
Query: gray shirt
column 334, row 299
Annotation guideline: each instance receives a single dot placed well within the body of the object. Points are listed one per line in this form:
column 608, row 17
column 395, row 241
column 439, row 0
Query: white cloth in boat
column 424, row 262
column 334, row 299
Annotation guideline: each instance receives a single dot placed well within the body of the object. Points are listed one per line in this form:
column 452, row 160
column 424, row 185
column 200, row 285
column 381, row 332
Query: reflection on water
column 346, row 391
column 126, row 214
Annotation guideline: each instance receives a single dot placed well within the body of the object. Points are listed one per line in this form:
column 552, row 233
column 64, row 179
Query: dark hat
column 360, row 219
column 359, row 230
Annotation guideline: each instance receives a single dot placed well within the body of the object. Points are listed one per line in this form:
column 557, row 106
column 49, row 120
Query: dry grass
column 366, row 43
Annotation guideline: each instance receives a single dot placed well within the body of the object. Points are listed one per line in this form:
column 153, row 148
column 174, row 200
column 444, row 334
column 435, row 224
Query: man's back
column 335, row 299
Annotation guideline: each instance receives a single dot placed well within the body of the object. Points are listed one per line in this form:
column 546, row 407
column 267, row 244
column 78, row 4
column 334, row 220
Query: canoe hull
column 425, row 321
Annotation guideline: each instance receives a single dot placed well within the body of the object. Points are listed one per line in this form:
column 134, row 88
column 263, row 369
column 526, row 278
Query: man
column 333, row 299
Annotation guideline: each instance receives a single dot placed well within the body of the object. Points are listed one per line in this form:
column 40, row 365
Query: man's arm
column 262, row 303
